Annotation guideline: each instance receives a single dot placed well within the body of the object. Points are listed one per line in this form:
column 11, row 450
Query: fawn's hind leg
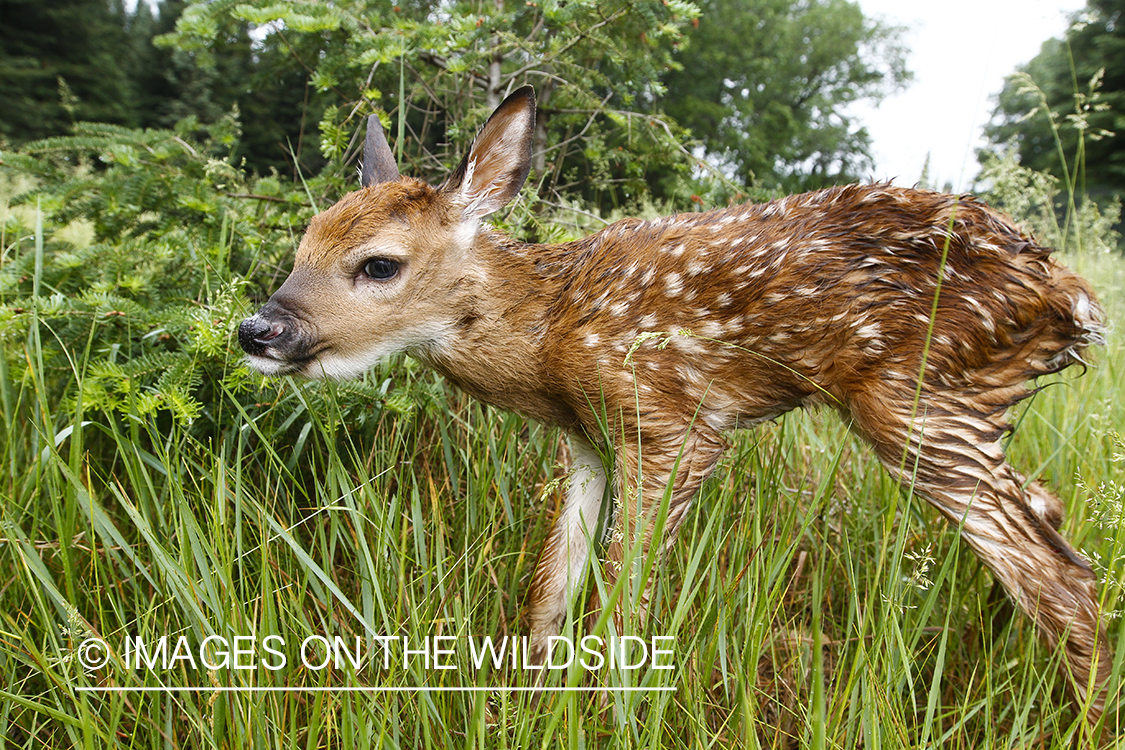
column 658, row 475
column 952, row 456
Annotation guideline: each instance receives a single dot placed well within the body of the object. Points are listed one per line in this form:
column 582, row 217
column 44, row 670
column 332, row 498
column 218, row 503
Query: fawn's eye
column 381, row 269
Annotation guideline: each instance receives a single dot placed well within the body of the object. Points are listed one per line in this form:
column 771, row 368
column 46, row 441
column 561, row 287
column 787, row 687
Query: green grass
column 786, row 630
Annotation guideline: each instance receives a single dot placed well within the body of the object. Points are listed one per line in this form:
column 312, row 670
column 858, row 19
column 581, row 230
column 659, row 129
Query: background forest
column 298, row 73
column 158, row 164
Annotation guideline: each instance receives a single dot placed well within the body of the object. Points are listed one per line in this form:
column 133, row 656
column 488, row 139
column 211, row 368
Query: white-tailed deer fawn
column 920, row 317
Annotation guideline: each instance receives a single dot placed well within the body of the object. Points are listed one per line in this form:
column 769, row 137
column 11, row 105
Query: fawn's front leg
column 658, row 475
column 562, row 565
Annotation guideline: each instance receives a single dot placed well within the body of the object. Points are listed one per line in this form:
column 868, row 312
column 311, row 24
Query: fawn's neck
column 496, row 352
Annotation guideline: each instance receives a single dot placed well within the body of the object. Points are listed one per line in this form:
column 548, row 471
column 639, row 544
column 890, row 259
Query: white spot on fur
column 712, row 329
column 1039, row 505
column 1082, row 307
column 985, row 316
column 689, row 345
column 619, row 308
column 869, row 331
column 673, row 284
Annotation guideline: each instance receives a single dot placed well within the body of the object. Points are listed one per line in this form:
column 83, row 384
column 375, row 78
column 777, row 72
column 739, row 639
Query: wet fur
column 665, row 334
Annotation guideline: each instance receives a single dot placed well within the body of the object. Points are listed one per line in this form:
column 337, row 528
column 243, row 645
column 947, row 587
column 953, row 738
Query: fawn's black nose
column 255, row 334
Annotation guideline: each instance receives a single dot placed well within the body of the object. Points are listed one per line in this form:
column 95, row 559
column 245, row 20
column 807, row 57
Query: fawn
column 824, row 298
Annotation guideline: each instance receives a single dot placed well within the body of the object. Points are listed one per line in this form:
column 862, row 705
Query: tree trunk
column 495, row 79
column 539, row 137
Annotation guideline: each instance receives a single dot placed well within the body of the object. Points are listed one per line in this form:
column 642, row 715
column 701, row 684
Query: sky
column 960, row 52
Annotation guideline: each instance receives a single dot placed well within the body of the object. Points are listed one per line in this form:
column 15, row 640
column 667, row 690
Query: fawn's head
column 390, row 267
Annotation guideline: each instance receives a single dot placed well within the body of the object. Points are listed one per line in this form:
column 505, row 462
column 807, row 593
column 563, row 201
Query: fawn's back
column 747, row 312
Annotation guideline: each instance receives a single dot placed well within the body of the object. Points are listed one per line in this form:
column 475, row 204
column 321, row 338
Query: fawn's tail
column 1055, row 316
column 1078, row 320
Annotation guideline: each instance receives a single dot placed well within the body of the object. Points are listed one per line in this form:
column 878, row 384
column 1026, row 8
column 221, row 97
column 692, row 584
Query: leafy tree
column 158, row 73
column 1065, row 113
column 766, row 85
column 434, row 70
column 266, row 80
column 763, row 85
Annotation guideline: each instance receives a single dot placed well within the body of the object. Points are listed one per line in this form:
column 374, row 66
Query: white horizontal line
column 375, row 689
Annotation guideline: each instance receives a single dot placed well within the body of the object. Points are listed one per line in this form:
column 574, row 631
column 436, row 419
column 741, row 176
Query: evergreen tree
column 60, row 61
column 264, row 77
column 150, row 65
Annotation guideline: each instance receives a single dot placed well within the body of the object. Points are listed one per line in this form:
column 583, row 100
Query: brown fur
column 664, row 334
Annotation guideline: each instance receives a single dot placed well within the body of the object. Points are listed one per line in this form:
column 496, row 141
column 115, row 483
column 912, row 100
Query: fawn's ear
column 497, row 164
column 378, row 161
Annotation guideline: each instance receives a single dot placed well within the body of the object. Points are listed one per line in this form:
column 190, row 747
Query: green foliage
column 78, row 60
column 596, row 65
column 1033, row 199
column 139, row 320
column 266, row 81
column 606, row 74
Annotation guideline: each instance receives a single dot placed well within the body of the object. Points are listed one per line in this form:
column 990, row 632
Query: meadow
column 175, row 574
